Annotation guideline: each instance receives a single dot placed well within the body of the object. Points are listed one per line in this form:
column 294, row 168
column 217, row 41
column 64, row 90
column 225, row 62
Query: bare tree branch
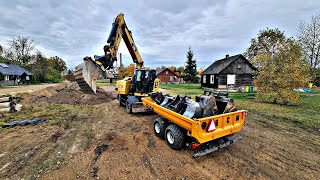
column 20, row 49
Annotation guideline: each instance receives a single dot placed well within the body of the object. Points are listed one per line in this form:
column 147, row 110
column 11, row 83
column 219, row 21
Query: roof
column 13, row 69
column 221, row 64
column 159, row 71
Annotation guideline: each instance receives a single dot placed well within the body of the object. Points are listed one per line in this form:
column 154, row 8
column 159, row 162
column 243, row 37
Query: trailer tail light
column 195, row 145
column 212, row 126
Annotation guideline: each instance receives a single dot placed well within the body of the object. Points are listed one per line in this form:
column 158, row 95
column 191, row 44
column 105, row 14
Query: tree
column 281, row 67
column 172, row 68
column 57, row 63
column 180, row 69
column 20, row 49
column 54, row 76
column 128, row 71
column 309, row 40
column 40, row 67
column 268, row 41
column 1, row 50
column 200, row 71
column 190, row 70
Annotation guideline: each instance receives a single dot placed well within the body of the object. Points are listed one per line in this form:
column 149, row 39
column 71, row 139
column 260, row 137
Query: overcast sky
column 163, row 30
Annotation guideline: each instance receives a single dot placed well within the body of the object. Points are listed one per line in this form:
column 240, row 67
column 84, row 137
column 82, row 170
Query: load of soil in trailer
column 65, row 93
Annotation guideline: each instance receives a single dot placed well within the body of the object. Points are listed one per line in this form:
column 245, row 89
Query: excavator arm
column 88, row 71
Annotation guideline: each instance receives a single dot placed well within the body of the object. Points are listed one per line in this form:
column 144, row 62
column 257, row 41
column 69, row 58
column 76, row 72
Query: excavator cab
column 142, row 82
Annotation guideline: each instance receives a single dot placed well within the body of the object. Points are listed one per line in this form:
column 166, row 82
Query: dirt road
column 103, row 141
column 18, row 89
column 267, row 151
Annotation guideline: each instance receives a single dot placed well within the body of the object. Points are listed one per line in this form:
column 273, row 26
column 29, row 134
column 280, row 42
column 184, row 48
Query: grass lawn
column 104, row 82
column 305, row 114
column 186, row 89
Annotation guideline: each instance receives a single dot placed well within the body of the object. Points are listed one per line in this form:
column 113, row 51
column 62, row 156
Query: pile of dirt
column 65, row 93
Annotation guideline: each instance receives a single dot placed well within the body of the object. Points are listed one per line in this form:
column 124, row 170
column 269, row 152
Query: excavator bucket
column 86, row 76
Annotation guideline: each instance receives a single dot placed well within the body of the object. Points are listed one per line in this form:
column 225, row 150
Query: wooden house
column 166, row 76
column 234, row 71
column 13, row 74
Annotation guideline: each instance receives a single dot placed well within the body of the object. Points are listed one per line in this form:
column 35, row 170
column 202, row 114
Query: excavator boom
column 87, row 73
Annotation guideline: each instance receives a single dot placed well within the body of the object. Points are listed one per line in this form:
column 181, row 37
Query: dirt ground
column 19, row 89
column 103, row 141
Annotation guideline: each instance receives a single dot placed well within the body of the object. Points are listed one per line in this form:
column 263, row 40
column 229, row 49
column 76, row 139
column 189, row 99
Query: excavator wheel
column 128, row 107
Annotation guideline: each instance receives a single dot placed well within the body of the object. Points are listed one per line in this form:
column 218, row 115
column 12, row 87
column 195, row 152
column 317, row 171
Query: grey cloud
column 163, row 30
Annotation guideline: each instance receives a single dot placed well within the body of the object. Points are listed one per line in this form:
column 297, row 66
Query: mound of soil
column 65, row 93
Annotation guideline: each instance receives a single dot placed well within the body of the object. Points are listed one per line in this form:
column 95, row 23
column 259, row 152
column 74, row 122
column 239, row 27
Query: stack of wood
column 6, row 104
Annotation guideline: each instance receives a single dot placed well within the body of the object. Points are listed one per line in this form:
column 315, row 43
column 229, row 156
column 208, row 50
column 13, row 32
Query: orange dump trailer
column 207, row 134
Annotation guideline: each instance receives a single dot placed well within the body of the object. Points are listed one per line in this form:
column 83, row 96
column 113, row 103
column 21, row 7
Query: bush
column 54, row 76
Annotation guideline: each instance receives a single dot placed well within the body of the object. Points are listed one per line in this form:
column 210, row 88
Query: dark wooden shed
column 232, row 71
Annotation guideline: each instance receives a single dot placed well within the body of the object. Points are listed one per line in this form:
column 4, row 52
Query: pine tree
column 190, row 72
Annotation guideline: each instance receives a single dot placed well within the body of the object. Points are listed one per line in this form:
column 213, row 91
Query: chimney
column 227, row 55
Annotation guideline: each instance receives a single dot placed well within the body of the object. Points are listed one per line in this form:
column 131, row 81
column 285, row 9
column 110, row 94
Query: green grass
column 55, row 114
column 186, row 89
column 305, row 114
column 104, row 82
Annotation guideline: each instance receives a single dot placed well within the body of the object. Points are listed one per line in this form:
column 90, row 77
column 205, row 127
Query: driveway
column 28, row 88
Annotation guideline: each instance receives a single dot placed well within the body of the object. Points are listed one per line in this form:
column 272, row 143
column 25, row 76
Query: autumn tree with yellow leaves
column 281, row 67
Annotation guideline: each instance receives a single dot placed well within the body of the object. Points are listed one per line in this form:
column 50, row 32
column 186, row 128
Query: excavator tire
column 175, row 137
column 159, row 126
column 119, row 99
column 128, row 107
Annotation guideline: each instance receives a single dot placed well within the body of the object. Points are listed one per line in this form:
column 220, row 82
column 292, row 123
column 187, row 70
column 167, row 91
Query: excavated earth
column 102, row 141
column 65, row 93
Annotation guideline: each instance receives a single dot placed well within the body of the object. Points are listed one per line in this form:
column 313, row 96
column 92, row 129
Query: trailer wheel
column 175, row 137
column 159, row 127
column 128, row 107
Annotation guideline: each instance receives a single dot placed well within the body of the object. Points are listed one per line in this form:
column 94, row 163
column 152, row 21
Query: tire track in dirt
column 268, row 150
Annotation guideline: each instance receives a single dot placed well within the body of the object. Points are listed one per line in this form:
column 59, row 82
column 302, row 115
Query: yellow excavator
column 130, row 89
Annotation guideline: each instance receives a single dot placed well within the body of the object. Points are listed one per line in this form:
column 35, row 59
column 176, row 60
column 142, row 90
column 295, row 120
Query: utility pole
column 121, row 67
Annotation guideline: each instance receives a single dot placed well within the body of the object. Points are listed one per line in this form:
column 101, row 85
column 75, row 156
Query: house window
column 239, row 66
column 204, row 79
column 27, row 78
column 231, row 79
column 212, row 79
column 171, row 78
column 166, row 72
column 6, row 78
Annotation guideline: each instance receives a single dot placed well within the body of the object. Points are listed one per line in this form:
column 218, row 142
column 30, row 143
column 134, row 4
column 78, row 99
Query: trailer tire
column 128, row 107
column 175, row 137
column 159, row 127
